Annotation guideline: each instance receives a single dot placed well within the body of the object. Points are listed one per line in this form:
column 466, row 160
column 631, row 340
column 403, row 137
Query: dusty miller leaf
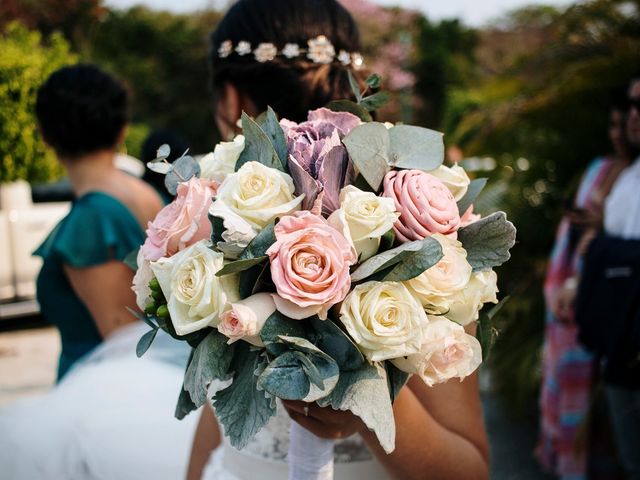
column 488, row 241
column 211, row 361
column 415, row 263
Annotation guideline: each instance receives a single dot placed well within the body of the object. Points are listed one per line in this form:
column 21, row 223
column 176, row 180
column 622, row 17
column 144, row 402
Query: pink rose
column 245, row 318
column 183, row 222
column 425, row 204
column 310, row 263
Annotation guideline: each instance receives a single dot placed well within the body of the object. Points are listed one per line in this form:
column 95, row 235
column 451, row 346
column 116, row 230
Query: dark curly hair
column 81, row 110
column 291, row 87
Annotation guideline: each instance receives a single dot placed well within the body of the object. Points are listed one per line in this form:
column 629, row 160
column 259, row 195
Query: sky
column 473, row 12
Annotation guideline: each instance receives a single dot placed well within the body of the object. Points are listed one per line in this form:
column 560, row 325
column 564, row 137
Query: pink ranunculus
column 310, row 263
column 183, row 222
column 318, row 161
column 425, row 204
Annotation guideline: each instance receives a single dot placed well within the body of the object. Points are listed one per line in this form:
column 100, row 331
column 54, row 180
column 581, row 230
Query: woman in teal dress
column 83, row 287
column 109, row 416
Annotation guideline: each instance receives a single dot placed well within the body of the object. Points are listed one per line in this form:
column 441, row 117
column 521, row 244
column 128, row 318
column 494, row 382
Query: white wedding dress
column 111, row 417
column 265, row 457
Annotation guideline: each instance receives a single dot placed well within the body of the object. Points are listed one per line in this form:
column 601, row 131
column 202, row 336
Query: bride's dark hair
column 291, row 87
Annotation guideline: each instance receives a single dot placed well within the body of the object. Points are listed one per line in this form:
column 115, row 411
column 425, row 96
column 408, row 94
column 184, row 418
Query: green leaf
column 374, row 80
column 375, row 101
column 184, row 405
column 257, row 146
column 260, row 244
column 217, row 227
column 330, row 338
column 131, row 260
column 488, row 241
column 424, row 252
column 211, row 361
column 268, row 121
column 350, row 107
column 254, row 280
column 354, row 86
column 145, row 342
column 415, row 148
column 241, row 408
column 474, row 189
column 140, row 316
column 387, row 241
column 396, row 379
column 240, row 266
column 365, row 393
column 415, row 263
column 278, row 325
column 368, row 146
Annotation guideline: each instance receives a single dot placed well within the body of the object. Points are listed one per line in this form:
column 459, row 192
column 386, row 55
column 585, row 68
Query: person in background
column 110, row 414
column 621, row 373
column 568, row 369
column 154, row 140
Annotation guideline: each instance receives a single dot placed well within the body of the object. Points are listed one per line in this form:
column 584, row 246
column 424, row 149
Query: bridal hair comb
column 318, row 50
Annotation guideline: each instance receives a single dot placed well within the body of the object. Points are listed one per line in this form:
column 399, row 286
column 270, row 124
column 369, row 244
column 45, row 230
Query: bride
column 295, row 55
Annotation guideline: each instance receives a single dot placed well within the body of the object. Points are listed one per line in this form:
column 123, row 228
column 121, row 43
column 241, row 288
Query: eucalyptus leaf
column 396, row 379
column 240, row 266
column 488, row 241
column 159, row 166
column 415, row 263
column 181, row 171
column 278, row 325
column 241, row 408
column 131, row 260
column 355, row 88
column 211, row 361
column 375, row 101
column 163, row 151
column 374, row 80
column 145, row 342
column 260, row 244
column 415, row 148
column 474, row 189
column 248, row 280
column 409, row 258
column 141, row 316
column 268, row 121
column 330, row 338
column 257, row 146
column 217, row 228
column 368, row 147
column 365, row 393
column 350, row 107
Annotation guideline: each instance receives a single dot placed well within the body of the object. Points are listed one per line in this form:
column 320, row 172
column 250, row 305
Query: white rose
column 141, row 280
column 455, row 179
column 466, row 304
column 222, row 161
column 436, row 287
column 244, row 319
column 447, row 352
column 366, row 216
column 195, row 296
column 384, row 320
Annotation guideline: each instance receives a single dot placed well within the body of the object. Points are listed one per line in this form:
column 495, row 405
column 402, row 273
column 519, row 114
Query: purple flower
column 318, row 161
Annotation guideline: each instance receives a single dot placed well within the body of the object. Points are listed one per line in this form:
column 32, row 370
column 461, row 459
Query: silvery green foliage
column 260, row 244
column 474, row 189
column 240, row 265
column 375, row 150
column 258, row 147
column 243, row 409
column 268, row 122
column 329, row 338
column 210, row 361
column 181, row 170
column 365, row 393
column 303, row 372
column 396, row 379
column 486, row 332
column 401, row 263
column 278, row 325
column 185, row 405
column 159, row 164
column 488, row 241
column 351, row 107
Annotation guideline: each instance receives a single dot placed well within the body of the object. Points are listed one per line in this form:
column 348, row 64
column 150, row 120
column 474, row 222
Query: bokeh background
column 520, row 91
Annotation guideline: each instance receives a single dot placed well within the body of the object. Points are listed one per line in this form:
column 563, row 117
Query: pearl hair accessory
column 318, row 50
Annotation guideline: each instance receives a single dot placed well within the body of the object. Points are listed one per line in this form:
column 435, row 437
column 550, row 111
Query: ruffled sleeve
column 98, row 229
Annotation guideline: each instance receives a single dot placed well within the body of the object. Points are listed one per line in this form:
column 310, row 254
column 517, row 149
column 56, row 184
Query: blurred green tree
column 26, row 61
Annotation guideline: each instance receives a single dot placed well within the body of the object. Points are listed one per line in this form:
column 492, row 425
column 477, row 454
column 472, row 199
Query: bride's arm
column 206, row 439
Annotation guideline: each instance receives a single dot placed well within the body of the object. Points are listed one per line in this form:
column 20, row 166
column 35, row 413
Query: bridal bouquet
column 322, row 261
